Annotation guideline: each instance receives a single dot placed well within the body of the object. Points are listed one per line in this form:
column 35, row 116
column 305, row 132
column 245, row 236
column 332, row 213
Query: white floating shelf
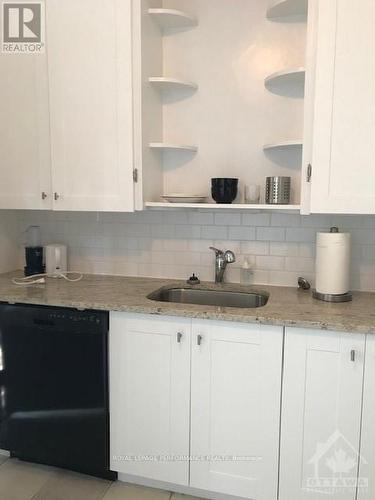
column 164, row 83
column 171, row 18
column 294, row 76
column 215, row 206
column 288, row 8
column 294, row 144
column 165, row 146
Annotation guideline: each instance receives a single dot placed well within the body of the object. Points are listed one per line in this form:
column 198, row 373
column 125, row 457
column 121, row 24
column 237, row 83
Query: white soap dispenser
column 246, row 273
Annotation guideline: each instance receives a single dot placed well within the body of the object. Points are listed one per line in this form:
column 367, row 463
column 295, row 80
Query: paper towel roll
column 333, row 263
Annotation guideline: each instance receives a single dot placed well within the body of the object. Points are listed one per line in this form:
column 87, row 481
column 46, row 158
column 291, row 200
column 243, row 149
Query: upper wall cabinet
column 90, row 76
column 25, row 173
column 343, row 108
column 66, row 128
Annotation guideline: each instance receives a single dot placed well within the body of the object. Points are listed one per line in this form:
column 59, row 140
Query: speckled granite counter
column 286, row 306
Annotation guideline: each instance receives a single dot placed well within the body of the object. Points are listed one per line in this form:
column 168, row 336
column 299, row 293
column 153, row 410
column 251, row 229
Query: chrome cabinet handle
column 179, row 337
column 56, row 196
column 199, row 339
column 352, row 356
column 44, row 195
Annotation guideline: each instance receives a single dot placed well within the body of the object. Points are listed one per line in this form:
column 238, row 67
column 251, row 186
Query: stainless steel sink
column 206, row 297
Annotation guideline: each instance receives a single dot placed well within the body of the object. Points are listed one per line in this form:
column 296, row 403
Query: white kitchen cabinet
column 25, row 178
column 66, row 131
column 234, row 419
column 366, row 484
column 150, row 396
column 236, row 387
column 89, row 47
column 343, row 146
column 321, row 414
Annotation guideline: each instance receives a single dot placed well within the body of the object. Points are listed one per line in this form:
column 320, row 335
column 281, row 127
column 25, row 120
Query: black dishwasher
column 54, row 387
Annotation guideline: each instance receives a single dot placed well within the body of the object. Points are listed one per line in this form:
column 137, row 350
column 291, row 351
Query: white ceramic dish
column 184, row 198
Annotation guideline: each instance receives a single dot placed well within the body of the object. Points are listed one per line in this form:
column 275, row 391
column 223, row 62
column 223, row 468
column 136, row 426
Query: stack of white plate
column 184, row 198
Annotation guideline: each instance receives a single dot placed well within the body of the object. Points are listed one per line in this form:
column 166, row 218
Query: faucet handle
column 217, row 251
column 230, row 257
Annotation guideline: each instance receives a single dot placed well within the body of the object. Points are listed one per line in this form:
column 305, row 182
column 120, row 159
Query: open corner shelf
column 215, row 206
column 171, row 18
column 293, row 144
column 167, row 146
column 288, row 8
column 164, row 83
column 293, row 76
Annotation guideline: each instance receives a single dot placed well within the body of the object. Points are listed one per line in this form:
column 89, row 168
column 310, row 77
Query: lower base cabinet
column 150, row 396
column 321, row 414
column 235, row 408
column 205, row 389
column 197, row 404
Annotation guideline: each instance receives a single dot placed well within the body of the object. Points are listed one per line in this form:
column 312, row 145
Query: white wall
column 174, row 244
column 9, row 241
column 232, row 115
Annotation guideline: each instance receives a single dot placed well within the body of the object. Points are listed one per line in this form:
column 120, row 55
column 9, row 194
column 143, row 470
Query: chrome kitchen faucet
column 221, row 260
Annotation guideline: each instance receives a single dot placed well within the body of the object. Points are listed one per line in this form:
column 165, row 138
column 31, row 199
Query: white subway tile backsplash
column 199, row 245
column 318, row 221
column 242, row 233
column 300, row 264
column 261, row 277
column 270, row 234
column 256, row 219
column 174, row 244
column 178, row 217
column 284, row 249
column 200, row 218
column 285, row 220
column 363, row 236
column 270, row 262
column 300, row 234
column 188, row 231
column 227, row 219
column 161, row 230
column 214, row 232
column 255, row 248
column 307, row 250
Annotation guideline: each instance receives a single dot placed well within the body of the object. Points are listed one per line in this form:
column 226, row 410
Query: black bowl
column 224, row 190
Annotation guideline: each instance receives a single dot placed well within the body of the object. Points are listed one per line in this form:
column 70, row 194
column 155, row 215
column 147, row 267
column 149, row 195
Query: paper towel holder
column 326, row 297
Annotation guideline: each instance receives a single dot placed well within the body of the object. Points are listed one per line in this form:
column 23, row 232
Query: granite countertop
column 286, row 306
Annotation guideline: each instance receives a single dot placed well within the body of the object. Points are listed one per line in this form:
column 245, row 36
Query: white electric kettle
column 56, row 260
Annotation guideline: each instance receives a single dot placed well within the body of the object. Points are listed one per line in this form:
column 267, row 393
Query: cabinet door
column 90, row 55
column 344, row 124
column 366, row 484
column 321, row 414
column 25, row 166
column 150, row 396
column 236, row 386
